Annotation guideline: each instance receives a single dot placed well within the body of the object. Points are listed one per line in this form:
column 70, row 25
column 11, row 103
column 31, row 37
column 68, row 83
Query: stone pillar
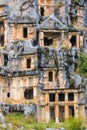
column 76, row 110
column 56, row 110
column 35, row 93
column 66, row 111
column 6, row 32
column 41, row 40
column 81, row 41
column 33, row 63
column 66, row 97
column 76, row 104
column 76, row 97
column 82, row 111
column 1, row 89
column 66, row 106
column 77, row 41
column 61, row 78
column 54, row 76
column 47, row 116
column 63, row 39
column 56, row 114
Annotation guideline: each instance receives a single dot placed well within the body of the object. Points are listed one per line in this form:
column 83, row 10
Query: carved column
column 47, row 107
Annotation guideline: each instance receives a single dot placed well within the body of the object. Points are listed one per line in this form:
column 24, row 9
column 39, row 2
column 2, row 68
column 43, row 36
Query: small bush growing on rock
column 82, row 65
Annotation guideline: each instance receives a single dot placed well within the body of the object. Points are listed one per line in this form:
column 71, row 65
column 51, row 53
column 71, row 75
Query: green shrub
column 50, row 124
column 82, row 64
column 74, row 124
column 39, row 126
column 77, row 2
column 70, row 27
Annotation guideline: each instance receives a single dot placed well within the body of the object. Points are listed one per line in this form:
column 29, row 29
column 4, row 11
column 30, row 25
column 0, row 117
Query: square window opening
column 28, row 93
column 70, row 96
column 48, row 41
column 61, row 96
column 52, row 97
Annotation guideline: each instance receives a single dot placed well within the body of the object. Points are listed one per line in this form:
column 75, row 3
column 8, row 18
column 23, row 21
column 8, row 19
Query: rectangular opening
column 25, row 32
column 42, row 11
column 70, row 96
column 52, row 113
column 71, row 111
column 47, row 41
column 2, row 33
column 61, row 96
column 52, row 97
column 28, row 93
column 5, row 60
column 29, row 63
column 61, row 113
column 73, row 41
column 50, row 76
column 75, row 66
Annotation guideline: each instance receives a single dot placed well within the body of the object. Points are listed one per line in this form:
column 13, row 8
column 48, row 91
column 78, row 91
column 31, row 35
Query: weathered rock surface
column 2, row 118
column 10, row 125
column 29, row 110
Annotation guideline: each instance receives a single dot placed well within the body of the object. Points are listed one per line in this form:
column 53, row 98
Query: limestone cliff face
column 40, row 45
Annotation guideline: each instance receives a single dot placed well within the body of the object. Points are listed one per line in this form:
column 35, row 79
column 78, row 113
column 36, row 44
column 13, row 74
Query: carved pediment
column 52, row 23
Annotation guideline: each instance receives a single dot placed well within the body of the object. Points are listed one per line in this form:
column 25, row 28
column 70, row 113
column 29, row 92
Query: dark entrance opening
column 2, row 33
column 8, row 94
column 28, row 63
column 2, row 40
column 73, row 41
column 5, row 60
column 28, row 93
column 47, row 41
column 71, row 111
column 25, row 32
column 52, row 113
column 61, row 113
column 42, row 11
column 50, row 76
column 75, row 66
